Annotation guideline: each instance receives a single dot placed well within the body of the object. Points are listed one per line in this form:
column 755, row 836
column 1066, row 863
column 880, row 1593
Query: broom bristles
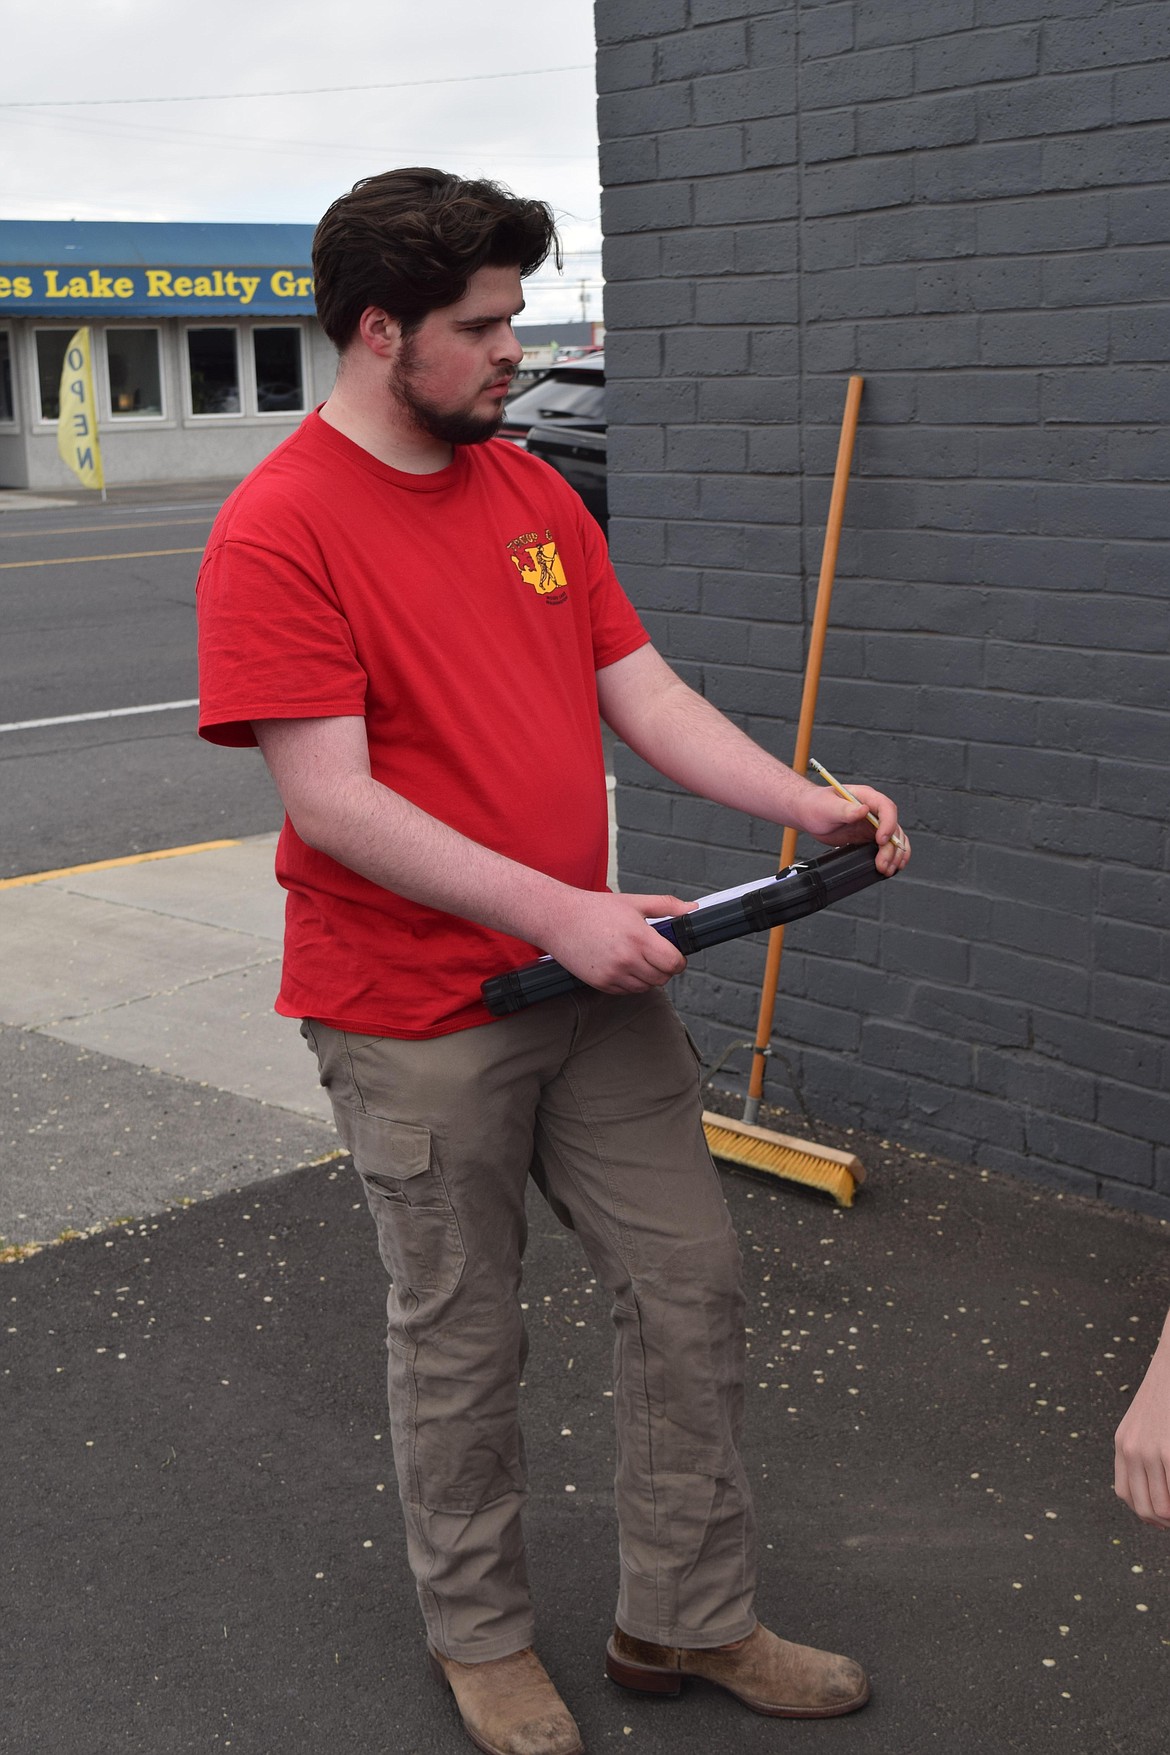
column 777, row 1154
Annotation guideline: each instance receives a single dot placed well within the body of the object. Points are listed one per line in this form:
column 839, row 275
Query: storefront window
column 51, row 345
column 135, row 380
column 214, row 368
column 7, row 406
column 279, row 379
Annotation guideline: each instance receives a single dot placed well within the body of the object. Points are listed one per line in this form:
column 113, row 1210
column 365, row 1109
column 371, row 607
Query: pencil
column 853, row 799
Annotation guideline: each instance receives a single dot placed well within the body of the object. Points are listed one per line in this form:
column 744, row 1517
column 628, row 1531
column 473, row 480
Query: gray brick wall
column 968, row 202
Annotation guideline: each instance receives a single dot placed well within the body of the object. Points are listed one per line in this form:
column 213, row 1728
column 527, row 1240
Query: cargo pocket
column 695, row 1051
column 418, row 1234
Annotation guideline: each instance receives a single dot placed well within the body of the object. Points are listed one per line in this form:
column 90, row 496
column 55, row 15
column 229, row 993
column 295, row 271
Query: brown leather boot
column 509, row 1705
column 766, row 1673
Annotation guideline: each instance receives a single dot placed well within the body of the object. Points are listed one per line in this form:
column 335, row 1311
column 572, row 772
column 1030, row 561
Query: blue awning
column 114, row 268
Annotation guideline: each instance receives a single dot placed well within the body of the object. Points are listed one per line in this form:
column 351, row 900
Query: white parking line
column 109, row 713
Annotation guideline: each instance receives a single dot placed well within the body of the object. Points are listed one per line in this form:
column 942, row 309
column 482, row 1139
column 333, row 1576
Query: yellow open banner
column 77, row 434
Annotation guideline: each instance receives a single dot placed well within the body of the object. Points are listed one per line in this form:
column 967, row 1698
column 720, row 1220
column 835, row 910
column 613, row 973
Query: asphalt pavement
column 98, row 602
column 199, row 1536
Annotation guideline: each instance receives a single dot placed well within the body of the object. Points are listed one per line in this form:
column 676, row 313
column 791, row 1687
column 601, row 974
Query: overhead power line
column 207, row 97
column 109, row 127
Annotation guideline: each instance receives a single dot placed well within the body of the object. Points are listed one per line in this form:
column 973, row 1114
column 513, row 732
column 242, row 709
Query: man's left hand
column 834, row 820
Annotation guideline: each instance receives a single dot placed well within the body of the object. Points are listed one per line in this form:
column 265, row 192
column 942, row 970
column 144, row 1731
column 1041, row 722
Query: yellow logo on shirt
column 539, row 565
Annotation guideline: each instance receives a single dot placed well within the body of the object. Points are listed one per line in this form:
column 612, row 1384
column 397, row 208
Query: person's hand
column 1141, row 1469
column 604, row 939
column 834, row 820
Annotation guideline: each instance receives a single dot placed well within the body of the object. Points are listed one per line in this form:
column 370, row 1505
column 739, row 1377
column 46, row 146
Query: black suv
column 562, row 419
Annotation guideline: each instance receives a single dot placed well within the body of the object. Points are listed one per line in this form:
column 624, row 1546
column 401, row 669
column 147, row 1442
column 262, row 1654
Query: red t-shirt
column 464, row 615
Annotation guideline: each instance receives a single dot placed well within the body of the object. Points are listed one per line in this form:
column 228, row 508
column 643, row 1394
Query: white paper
column 731, row 895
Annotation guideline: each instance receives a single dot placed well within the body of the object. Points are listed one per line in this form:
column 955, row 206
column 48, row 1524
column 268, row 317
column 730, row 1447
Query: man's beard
column 452, row 426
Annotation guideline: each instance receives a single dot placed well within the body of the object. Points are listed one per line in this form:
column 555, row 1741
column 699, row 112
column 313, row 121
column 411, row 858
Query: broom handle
column 808, row 706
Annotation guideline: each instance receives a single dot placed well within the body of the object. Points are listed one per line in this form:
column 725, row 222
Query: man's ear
column 380, row 332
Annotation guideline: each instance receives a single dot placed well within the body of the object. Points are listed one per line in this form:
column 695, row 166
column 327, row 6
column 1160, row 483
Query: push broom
column 743, row 1142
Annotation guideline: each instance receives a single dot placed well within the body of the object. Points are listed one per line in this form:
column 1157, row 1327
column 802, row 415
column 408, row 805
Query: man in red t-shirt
column 419, row 625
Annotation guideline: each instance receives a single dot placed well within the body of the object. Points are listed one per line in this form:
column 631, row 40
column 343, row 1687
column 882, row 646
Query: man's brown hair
column 409, row 241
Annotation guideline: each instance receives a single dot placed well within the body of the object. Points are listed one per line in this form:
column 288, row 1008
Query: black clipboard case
column 801, row 888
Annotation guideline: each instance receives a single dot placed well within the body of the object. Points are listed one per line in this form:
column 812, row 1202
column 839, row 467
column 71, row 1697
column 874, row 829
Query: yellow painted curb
column 43, row 877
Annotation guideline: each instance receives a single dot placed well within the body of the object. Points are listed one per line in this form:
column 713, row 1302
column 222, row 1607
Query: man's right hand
column 322, row 771
column 605, row 941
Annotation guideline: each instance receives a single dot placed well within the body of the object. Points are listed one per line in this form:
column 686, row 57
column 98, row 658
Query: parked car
column 572, row 392
column 524, row 378
column 562, row 419
column 579, row 454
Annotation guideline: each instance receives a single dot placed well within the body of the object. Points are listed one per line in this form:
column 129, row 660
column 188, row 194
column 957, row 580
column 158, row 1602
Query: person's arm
column 682, row 735
column 322, row 771
column 1141, row 1469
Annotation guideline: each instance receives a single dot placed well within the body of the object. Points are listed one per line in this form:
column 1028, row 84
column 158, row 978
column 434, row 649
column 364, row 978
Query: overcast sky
column 495, row 90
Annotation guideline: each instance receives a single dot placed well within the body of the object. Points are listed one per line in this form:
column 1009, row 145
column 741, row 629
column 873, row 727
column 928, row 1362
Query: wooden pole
column 808, row 706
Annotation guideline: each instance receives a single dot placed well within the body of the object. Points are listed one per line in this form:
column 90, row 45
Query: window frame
column 39, row 417
column 187, row 329
column 254, row 387
column 107, row 395
column 11, row 423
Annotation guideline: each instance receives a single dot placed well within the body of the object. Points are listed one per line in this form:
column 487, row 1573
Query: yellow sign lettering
column 287, row 285
column 96, row 285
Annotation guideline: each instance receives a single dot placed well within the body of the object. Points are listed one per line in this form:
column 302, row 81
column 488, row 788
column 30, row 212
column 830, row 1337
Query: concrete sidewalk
column 136, row 1025
column 139, row 995
column 201, row 1548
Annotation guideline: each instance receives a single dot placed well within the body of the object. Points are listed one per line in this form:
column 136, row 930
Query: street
column 99, row 617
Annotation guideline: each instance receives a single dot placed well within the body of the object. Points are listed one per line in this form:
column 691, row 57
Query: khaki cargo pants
column 597, row 1098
